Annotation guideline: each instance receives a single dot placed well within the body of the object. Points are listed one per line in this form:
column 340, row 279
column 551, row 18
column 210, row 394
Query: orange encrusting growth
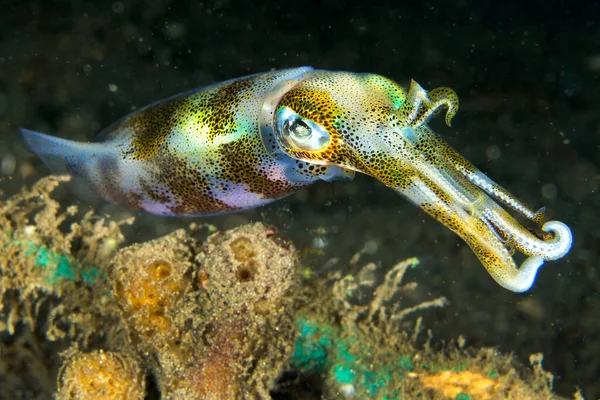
column 101, row 376
column 149, row 298
column 451, row 384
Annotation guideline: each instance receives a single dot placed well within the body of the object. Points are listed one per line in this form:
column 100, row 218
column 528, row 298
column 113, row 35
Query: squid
column 249, row 141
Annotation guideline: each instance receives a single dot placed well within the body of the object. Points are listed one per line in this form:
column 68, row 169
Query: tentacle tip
column 451, row 113
column 525, row 278
column 563, row 239
column 414, row 87
column 539, row 216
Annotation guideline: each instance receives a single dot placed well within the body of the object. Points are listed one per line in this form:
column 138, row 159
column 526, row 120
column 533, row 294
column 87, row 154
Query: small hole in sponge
column 160, row 270
column 246, row 272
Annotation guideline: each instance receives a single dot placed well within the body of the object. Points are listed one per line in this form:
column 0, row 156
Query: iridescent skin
column 246, row 142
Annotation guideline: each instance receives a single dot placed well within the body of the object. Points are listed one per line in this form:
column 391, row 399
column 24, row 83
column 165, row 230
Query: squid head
column 368, row 123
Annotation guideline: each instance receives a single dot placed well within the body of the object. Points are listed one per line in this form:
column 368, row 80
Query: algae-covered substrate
column 234, row 316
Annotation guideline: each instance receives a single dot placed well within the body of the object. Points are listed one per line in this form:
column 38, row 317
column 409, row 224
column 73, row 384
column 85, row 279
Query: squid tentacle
column 528, row 243
column 491, row 250
column 444, row 96
column 526, row 275
column 420, row 105
column 424, row 136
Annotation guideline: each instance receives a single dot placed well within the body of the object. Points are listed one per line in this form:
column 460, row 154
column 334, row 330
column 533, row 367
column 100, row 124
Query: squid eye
column 299, row 133
column 297, row 129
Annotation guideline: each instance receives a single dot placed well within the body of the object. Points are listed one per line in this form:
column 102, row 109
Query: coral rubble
column 225, row 318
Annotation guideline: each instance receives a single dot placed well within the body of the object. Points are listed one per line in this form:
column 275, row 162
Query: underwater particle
column 118, row 7
column 493, row 152
column 371, row 247
column 549, row 191
column 174, row 30
column 149, row 280
column 8, row 165
column 100, row 375
column 319, row 242
column 347, row 390
column 454, row 383
column 307, row 273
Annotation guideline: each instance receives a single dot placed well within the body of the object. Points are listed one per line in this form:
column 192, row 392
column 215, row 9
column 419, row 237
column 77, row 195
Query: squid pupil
column 297, row 128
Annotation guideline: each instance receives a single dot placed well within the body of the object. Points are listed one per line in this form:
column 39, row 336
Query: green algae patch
column 58, row 267
column 313, row 346
column 362, row 356
column 367, row 349
column 406, row 364
column 323, row 348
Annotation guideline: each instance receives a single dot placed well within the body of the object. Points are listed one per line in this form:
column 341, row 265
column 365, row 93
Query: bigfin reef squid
column 249, row 141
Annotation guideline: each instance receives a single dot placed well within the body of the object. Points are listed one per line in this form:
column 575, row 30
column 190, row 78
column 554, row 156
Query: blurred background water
column 527, row 75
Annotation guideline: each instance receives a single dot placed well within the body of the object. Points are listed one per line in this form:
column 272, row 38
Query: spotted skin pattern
column 249, row 141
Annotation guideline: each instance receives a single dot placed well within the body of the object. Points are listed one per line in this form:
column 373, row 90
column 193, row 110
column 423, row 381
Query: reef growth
column 228, row 317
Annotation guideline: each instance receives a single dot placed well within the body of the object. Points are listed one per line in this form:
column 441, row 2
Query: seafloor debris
column 353, row 334
column 175, row 318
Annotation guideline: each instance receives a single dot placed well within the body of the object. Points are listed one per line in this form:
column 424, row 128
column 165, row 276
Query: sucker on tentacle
column 249, row 141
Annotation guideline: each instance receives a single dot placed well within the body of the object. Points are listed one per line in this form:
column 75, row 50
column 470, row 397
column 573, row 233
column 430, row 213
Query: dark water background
column 527, row 75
